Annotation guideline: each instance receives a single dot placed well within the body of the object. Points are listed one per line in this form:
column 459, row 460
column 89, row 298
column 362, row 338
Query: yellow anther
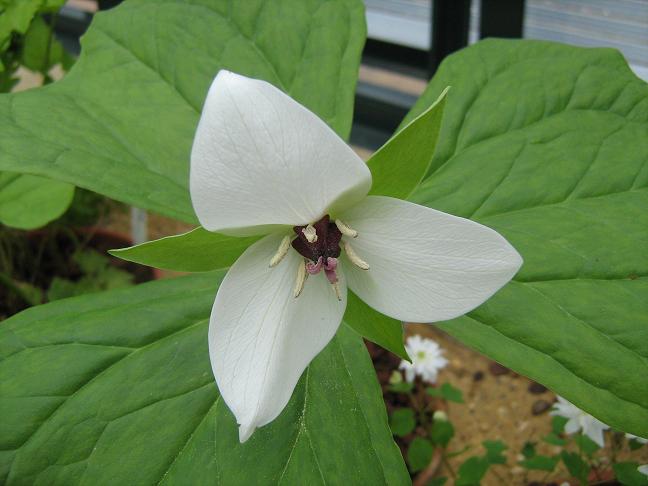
column 353, row 256
column 336, row 288
column 310, row 233
column 284, row 246
column 345, row 230
column 300, row 280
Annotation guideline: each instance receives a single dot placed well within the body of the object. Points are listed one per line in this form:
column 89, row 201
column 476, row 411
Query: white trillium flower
column 641, row 440
column 578, row 420
column 262, row 164
column 427, row 359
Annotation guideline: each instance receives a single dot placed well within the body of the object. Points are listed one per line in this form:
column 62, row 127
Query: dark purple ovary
column 327, row 244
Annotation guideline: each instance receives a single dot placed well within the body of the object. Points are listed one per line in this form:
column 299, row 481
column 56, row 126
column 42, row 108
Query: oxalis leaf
column 116, row 388
column 548, row 145
column 137, row 90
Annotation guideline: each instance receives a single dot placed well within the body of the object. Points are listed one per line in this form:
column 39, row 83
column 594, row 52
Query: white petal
column 641, row 440
column 410, row 374
column 261, row 338
column 261, row 159
column 565, row 409
column 593, row 428
column 596, row 434
column 425, row 265
column 572, row 426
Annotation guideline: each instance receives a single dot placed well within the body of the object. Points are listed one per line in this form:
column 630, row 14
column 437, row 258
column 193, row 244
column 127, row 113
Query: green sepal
column 198, row 250
column 399, row 166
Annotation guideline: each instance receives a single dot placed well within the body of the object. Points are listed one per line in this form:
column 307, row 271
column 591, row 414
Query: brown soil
column 498, row 406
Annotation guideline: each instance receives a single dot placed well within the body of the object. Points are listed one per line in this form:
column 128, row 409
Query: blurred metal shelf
column 402, row 22
column 620, row 24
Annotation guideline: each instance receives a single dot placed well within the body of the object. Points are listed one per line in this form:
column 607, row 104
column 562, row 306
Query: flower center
column 320, row 244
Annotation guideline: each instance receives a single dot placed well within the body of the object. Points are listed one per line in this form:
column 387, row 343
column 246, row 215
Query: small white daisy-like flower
column 427, row 359
column 641, row 440
column 578, row 420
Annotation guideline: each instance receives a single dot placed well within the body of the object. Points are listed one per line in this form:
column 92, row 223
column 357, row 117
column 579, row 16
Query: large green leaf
column 116, row 388
column 137, row 90
column 548, row 144
column 28, row 202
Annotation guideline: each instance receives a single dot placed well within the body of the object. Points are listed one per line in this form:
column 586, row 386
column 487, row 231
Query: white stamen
column 310, row 233
column 346, row 230
column 300, row 280
column 336, row 288
column 284, row 246
column 353, row 256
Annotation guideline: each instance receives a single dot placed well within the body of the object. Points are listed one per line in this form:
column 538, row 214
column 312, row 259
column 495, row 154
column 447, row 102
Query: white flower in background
column 643, row 469
column 440, row 415
column 427, row 359
column 641, row 440
column 262, row 164
column 580, row 421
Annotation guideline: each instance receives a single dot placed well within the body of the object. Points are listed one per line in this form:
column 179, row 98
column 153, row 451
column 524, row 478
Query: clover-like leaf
column 402, row 421
column 447, row 392
column 419, row 453
column 540, row 463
